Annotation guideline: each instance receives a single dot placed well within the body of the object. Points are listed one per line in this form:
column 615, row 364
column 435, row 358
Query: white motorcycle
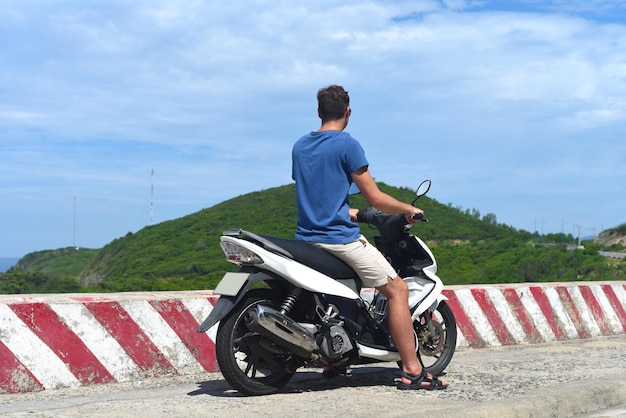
column 295, row 305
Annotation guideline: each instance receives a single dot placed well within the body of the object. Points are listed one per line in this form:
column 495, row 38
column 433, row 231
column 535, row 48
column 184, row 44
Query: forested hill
column 184, row 253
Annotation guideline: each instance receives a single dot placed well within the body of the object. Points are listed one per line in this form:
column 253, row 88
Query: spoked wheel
column 436, row 341
column 249, row 362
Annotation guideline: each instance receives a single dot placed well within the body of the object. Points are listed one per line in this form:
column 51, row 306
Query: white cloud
column 488, row 98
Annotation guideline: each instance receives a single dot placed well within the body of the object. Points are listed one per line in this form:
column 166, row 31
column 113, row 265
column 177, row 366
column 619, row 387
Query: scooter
column 295, row 305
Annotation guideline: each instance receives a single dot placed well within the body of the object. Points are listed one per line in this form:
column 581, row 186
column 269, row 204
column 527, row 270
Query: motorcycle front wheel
column 248, row 362
column 436, row 339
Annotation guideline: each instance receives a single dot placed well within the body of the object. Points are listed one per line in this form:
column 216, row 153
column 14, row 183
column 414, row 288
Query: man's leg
column 401, row 325
column 375, row 271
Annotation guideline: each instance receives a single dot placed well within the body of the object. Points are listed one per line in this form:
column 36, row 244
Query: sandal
column 421, row 381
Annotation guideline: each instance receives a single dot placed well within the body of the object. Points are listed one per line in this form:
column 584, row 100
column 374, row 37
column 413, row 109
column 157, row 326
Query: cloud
column 487, row 98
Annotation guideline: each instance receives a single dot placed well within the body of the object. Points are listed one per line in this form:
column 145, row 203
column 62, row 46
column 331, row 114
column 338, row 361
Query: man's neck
column 333, row 125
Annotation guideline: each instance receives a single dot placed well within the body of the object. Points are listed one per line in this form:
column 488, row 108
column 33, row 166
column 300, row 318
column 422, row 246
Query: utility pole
column 74, row 228
column 151, row 195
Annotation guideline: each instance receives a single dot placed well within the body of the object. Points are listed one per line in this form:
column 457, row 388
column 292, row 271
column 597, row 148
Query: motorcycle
column 295, row 305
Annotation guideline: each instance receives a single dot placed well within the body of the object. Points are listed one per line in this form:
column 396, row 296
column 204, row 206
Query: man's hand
column 414, row 211
column 353, row 213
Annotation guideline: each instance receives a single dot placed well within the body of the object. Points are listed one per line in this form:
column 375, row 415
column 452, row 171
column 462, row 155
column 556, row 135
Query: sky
column 120, row 114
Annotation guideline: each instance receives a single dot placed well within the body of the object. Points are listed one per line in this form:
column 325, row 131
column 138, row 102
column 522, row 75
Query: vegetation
column 184, row 254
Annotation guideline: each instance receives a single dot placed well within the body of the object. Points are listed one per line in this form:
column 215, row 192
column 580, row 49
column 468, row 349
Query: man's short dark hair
column 332, row 102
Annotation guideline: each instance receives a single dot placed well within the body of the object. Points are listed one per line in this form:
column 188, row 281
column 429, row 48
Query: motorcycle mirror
column 422, row 189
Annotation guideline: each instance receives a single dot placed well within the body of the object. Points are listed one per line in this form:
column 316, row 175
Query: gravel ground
column 573, row 378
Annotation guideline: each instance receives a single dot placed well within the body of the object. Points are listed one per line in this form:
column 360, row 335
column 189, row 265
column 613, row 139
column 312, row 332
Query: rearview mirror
column 423, row 188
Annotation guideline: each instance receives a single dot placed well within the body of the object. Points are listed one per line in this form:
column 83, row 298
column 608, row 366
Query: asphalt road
column 573, row 378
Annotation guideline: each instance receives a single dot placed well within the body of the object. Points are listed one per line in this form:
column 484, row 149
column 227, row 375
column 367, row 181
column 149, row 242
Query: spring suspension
column 290, row 301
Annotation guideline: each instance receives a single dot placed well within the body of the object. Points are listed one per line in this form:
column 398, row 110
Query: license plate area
column 231, row 284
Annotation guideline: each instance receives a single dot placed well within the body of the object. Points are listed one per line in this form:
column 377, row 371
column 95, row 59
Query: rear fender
column 226, row 303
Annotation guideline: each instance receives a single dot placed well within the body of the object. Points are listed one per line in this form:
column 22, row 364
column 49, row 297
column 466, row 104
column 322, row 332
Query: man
column 325, row 164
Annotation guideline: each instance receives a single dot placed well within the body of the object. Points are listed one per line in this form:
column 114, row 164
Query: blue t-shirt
column 322, row 167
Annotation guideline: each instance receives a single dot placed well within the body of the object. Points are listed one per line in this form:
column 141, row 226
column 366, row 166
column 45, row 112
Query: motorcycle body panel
column 424, row 293
column 298, row 274
column 377, row 354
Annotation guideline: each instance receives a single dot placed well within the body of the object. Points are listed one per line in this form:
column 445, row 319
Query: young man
column 325, row 163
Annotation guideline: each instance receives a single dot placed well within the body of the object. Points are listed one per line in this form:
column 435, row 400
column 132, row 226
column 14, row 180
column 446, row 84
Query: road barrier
column 496, row 315
column 54, row 341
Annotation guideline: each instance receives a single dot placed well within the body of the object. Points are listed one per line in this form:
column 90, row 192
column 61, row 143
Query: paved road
column 574, row 378
column 612, row 255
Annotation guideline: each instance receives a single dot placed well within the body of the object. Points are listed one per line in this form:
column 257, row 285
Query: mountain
column 614, row 236
column 184, row 253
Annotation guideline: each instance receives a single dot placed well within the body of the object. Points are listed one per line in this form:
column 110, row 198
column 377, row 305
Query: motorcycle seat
column 312, row 256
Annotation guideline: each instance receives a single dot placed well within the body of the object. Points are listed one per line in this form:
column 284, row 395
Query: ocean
column 7, row 262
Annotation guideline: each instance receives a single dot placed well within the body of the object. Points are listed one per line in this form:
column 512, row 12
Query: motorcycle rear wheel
column 244, row 362
column 437, row 345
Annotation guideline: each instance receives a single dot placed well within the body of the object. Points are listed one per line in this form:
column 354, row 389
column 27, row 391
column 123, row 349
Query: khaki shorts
column 365, row 259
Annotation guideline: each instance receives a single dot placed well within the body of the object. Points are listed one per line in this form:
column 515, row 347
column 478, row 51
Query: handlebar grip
column 360, row 216
column 420, row 217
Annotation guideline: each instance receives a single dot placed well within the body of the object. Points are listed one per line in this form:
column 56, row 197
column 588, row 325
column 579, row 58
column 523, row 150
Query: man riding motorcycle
column 325, row 164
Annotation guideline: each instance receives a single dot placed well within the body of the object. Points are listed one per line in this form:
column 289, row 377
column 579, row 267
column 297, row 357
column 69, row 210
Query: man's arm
column 378, row 199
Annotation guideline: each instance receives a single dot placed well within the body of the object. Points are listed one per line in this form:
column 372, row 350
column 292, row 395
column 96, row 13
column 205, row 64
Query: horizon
column 8, row 262
column 573, row 233
column 119, row 115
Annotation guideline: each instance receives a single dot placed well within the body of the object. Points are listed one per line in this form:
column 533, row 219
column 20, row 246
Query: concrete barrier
column 53, row 341
column 496, row 315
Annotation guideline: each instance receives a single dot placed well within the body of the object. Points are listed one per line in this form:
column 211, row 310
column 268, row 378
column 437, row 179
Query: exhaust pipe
column 282, row 330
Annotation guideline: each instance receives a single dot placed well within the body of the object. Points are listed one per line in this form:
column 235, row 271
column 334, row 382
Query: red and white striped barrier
column 495, row 315
column 53, row 341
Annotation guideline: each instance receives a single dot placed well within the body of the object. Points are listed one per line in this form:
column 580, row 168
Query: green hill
column 184, row 253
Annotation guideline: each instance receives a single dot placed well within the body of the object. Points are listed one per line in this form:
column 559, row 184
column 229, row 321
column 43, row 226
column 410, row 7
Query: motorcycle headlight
column 239, row 255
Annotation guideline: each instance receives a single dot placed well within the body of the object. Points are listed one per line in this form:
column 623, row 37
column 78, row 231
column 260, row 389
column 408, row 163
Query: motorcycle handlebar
column 419, row 217
column 363, row 215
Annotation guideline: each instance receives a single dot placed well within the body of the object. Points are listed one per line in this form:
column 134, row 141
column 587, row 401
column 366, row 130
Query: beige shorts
column 365, row 259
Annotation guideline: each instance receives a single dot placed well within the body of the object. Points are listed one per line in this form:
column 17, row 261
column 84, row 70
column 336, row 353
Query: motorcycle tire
column 436, row 349
column 243, row 360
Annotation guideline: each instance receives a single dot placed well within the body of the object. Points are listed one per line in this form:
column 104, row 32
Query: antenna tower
column 151, row 195
column 74, row 231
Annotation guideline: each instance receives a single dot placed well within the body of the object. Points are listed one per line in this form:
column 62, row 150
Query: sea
column 7, row 262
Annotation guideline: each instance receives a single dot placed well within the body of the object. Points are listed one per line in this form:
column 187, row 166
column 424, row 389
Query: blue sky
column 512, row 108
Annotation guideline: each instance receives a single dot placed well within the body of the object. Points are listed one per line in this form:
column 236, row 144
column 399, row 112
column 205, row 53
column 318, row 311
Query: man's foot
column 423, row 380
column 330, row 371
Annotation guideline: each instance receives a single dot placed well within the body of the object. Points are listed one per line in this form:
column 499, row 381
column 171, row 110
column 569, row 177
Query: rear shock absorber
column 290, row 301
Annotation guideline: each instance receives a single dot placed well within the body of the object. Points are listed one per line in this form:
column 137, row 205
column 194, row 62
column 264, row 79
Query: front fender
column 436, row 303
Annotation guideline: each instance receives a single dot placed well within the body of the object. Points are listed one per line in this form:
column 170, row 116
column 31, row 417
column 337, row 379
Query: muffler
column 281, row 330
